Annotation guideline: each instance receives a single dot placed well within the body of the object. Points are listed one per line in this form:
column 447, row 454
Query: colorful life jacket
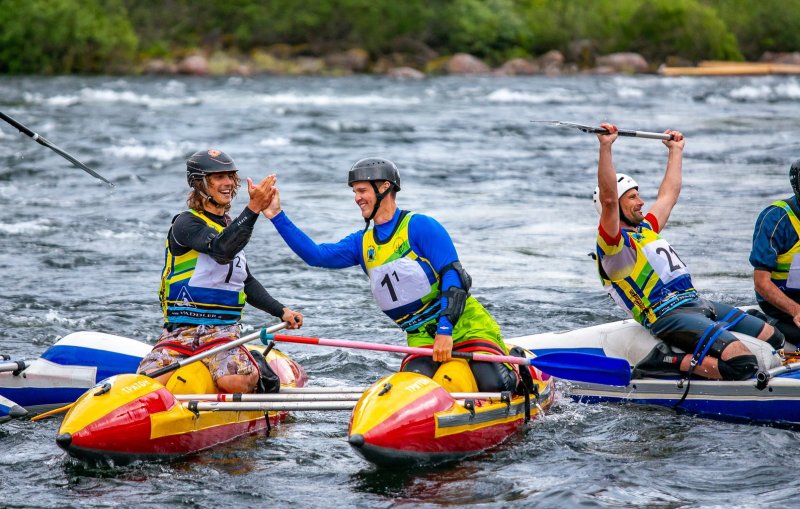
column 786, row 275
column 657, row 282
column 405, row 285
column 196, row 289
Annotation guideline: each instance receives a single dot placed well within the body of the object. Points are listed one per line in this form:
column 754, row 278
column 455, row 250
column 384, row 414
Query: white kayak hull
column 69, row 368
column 775, row 403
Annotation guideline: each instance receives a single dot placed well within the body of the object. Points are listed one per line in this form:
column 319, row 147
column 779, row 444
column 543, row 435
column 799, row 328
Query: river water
column 514, row 195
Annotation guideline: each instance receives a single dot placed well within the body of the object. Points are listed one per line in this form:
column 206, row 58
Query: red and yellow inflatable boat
column 132, row 417
column 410, row 418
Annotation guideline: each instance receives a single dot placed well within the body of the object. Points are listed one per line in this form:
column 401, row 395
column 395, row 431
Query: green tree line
column 101, row 36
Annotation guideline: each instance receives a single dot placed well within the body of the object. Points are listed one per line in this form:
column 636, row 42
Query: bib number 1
column 398, row 283
column 387, row 282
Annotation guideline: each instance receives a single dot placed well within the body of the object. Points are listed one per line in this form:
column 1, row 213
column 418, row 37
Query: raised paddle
column 600, row 130
column 42, row 141
column 221, row 348
column 582, row 367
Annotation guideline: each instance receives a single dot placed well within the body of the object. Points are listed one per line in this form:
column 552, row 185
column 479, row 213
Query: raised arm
column 670, row 187
column 345, row 253
column 607, row 182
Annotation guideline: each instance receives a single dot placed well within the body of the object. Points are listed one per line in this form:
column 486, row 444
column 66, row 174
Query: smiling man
column 645, row 276
column 414, row 273
column 206, row 279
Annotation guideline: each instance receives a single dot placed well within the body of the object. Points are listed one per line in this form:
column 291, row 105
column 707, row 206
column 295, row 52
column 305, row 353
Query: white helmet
column 624, row 184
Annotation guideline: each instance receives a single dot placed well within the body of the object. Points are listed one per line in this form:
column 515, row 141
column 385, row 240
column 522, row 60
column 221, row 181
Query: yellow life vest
column 787, row 274
column 404, row 284
column 196, row 289
column 655, row 283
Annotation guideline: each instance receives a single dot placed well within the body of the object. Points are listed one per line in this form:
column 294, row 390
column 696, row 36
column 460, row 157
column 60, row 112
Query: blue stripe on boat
column 30, row 396
column 107, row 363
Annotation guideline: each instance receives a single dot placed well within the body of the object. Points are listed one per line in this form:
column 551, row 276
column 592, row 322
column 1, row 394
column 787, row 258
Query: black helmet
column 794, row 178
column 374, row 169
column 209, row 161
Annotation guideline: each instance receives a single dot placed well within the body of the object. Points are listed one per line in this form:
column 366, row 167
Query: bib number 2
column 664, row 260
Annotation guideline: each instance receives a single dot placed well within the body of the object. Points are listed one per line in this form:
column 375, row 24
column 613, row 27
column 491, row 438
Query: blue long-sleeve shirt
column 427, row 237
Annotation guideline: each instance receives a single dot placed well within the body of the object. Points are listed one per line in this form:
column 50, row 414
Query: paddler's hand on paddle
column 261, row 195
column 442, row 348
column 293, row 318
column 274, row 208
column 611, row 137
column 677, row 142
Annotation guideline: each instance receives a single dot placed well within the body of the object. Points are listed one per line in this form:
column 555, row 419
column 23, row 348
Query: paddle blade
column 584, row 367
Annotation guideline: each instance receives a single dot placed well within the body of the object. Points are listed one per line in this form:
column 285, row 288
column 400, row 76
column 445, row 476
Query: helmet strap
column 625, row 220
column 205, row 195
column 378, row 199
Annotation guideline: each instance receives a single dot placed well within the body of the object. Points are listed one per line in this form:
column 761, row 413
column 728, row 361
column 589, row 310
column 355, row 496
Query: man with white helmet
column 645, row 276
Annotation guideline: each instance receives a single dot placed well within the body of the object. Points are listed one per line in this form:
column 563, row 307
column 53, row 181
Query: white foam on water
column 52, row 316
column 26, row 227
column 790, row 90
column 630, row 92
column 108, row 234
column 278, row 141
column 554, row 95
column 134, row 149
column 751, row 92
column 8, row 190
column 335, row 100
column 94, row 95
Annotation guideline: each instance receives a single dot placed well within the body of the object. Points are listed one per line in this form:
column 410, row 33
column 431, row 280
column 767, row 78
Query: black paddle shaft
column 42, row 141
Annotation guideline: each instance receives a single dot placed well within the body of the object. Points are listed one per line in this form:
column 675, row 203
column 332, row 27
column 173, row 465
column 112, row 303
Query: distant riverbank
column 280, row 61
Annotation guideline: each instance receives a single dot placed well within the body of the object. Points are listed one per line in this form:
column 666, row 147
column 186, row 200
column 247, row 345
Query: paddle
column 53, row 412
column 271, row 397
column 269, row 406
column 340, row 396
column 567, row 365
column 221, row 348
column 42, row 141
column 600, row 130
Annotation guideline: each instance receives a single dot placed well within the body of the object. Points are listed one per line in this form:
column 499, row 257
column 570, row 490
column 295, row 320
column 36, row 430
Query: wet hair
column 198, row 196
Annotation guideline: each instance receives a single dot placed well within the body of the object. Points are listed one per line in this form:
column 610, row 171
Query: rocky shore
column 285, row 60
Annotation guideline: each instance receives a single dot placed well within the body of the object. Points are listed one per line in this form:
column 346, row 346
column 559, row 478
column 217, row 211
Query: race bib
column 664, row 260
column 793, row 281
column 210, row 274
column 398, row 283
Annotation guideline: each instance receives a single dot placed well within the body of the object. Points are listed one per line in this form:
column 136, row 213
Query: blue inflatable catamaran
column 772, row 398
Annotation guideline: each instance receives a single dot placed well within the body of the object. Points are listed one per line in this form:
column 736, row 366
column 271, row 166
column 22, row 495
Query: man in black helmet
column 775, row 261
column 414, row 274
column 206, row 280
